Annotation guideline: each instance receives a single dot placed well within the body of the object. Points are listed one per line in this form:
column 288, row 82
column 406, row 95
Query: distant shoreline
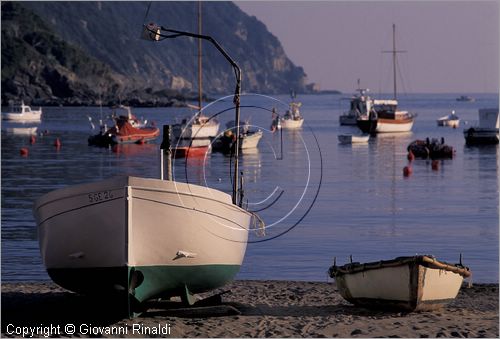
column 253, row 309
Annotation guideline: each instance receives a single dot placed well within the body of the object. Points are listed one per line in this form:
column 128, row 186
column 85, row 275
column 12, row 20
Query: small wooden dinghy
column 418, row 283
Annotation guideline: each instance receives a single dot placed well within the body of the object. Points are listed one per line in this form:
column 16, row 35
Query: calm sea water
column 319, row 199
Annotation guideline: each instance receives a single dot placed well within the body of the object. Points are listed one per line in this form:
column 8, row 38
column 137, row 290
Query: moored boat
column 200, row 126
column 488, row 130
column 23, row 113
column 431, row 149
column 292, row 118
column 184, row 148
column 466, row 98
column 360, row 104
column 385, row 116
column 417, row 283
column 353, row 139
column 450, row 120
column 123, row 133
column 248, row 138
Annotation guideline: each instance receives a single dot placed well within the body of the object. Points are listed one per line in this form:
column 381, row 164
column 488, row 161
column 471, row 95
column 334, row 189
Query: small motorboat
column 23, row 113
column 248, row 138
column 450, row 120
column 417, row 283
column 292, row 118
column 360, row 104
column 466, row 98
column 431, row 149
column 353, row 139
column 488, row 130
column 123, row 133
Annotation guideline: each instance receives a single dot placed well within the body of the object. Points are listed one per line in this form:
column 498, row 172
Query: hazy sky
column 452, row 46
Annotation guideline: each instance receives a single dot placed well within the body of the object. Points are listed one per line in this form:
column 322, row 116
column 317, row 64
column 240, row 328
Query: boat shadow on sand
column 60, row 308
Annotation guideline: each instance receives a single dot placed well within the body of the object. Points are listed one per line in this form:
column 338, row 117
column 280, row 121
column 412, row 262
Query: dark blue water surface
column 319, row 199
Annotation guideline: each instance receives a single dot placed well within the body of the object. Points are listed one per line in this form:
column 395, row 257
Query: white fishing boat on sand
column 23, row 113
column 450, row 120
column 139, row 238
column 417, row 283
column 149, row 237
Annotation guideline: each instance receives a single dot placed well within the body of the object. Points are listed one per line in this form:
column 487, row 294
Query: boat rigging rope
column 147, row 12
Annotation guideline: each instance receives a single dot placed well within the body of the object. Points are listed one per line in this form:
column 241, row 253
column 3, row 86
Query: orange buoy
column 57, row 143
column 435, row 165
column 407, row 171
column 24, row 152
column 32, row 139
column 410, row 156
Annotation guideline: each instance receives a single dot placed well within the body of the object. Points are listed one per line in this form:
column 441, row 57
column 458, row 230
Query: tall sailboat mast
column 200, row 95
column 394, row 52
column 394, row 58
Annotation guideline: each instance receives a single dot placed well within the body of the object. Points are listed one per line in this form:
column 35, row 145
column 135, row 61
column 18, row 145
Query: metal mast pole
column 200, row 98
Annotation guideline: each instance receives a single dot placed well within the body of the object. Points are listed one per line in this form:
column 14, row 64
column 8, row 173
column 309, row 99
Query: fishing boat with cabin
column 23, row 113
column 360, row 105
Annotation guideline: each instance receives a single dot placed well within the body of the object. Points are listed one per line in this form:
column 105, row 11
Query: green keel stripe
column 169, row 281
column 156, row 281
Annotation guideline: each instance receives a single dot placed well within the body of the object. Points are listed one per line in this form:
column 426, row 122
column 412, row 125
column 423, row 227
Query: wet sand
column 251, row 309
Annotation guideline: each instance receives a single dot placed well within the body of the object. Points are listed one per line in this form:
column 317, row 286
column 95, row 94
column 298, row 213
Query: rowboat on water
column 417, row 283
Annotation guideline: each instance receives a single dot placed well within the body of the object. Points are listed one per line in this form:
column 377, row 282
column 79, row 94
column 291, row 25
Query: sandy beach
column 250, row 309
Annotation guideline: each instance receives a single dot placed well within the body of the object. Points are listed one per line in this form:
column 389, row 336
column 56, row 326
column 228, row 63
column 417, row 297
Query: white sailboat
column 200, row 126
column 385, row 117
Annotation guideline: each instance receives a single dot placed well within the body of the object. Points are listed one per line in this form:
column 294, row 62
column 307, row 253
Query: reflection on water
column 365, row 207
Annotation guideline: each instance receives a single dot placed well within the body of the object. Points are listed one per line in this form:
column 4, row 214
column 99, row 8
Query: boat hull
column 481, row 136
column 353, row 139
column 34, row 116
column 146, row 236
column 251, row 140
column 385, row 125
column 448, row 123
column 291, row 124
column 407, row 283
column 208, row 130
column 191, row 152
column 348, row 120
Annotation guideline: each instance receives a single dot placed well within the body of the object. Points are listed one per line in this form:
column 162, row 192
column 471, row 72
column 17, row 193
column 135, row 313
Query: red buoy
column 32, row 139
column 57, row 143
column 141, row 141
column 410, row 156
column 24, row 152
column 407, row 171
column 435, row 165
